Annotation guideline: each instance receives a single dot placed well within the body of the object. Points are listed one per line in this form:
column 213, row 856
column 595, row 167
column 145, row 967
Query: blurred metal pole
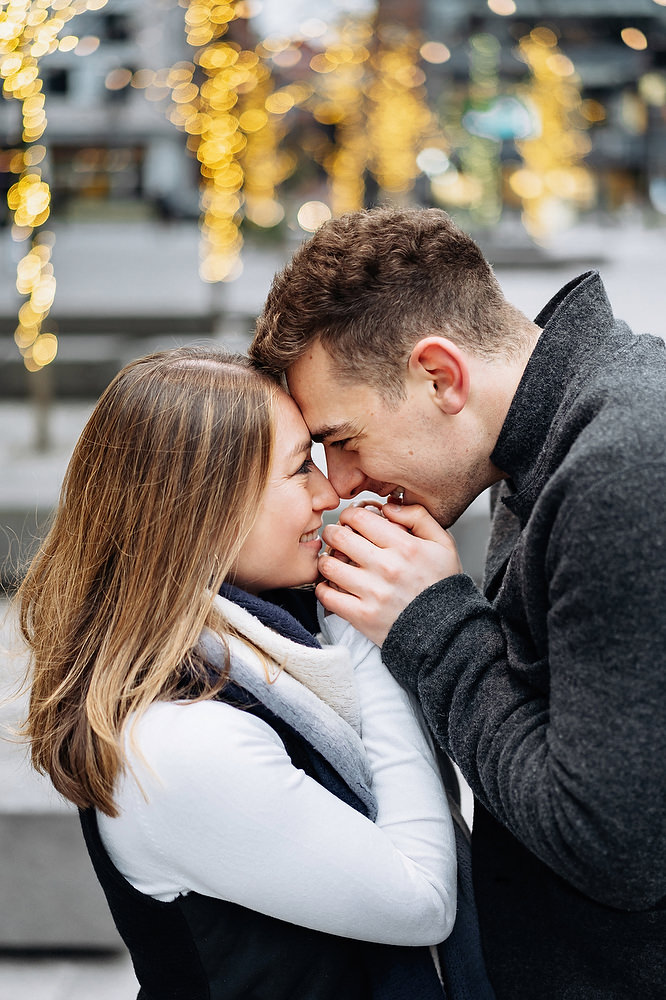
column 40, row 391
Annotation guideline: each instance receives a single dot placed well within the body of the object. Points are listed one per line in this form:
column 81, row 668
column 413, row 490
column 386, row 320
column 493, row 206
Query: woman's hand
column 378, row 565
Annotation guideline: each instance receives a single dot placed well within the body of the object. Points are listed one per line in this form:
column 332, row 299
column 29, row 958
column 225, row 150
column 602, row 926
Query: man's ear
column 444, row 365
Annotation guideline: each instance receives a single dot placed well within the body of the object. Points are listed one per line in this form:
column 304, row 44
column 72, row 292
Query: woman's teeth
column 309, row 537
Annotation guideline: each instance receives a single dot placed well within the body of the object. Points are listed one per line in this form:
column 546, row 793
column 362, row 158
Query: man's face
column 371, row 445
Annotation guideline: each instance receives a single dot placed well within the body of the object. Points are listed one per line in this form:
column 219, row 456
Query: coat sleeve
column 565, row 750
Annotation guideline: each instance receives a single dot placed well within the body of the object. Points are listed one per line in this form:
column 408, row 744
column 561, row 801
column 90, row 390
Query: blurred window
column 116, row 28
column 94, row 175
column 56, row 80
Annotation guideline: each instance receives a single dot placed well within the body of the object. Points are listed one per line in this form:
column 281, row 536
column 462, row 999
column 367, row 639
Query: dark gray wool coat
column 549, row 688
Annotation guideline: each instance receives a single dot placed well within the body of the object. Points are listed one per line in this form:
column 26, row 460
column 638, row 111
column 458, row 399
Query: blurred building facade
column 112, row 150
column 618, row 51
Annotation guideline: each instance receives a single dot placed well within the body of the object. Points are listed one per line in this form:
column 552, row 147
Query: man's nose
column 343, row 472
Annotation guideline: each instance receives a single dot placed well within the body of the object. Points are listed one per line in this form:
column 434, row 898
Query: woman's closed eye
column 307, row 466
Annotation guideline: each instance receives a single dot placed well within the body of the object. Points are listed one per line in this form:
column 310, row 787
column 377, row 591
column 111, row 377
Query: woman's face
column 282, row 547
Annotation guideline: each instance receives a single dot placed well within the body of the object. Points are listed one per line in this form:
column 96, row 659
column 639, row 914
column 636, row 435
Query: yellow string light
column 29, row 29
column 398, row 115
column 234, row 119
column 369, row 86
column 265, row 164
column 340, row 102
column 552, row 183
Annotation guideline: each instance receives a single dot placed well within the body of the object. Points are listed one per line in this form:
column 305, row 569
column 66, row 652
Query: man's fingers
column 413, row 518
column 416, row 520
column 347, row 543
column 352, row 610
column 344, row 574
column 377, row 530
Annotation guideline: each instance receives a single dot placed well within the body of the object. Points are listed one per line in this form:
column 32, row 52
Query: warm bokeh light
column 312, row 214
column 634, row 38
column 87, row 46
column 435, row 52
column 552, row 184
column 314, row 27
column 398, row 116
column 339, row 101
column 234, row 120
column 652, row 88
column 560, row 65
column 593, row 111
column 116, row 79
column 143, row 78
column 287, row 58
column 503, row 7
column 29, row 30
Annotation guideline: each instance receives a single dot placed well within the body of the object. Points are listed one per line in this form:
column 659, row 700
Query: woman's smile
column 277, row 552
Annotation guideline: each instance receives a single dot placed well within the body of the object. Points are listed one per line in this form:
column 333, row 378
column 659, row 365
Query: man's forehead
column 328, row 414
column 333, row 407
column 314, row 366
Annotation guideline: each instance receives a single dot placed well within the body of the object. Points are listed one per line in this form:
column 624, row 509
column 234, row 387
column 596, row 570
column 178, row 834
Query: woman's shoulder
column 181, row 731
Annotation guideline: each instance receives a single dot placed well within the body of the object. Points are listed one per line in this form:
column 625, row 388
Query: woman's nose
column 324, row 496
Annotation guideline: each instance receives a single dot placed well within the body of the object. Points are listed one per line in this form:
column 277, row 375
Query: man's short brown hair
column 370, row 284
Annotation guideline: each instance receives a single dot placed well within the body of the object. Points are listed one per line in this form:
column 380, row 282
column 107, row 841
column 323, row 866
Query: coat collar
column 577, row 334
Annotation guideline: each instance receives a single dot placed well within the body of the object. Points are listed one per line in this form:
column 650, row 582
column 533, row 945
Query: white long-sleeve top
column 212, row 803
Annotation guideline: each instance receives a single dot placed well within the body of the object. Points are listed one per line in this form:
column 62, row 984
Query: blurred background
column 159, row 161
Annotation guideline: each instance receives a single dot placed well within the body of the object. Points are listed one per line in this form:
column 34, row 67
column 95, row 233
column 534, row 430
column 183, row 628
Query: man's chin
column 446, row 517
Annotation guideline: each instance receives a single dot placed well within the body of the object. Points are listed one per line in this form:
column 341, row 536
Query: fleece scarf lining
column 308, row 687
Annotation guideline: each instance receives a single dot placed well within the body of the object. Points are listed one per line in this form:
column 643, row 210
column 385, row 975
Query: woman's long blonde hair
column 159, row 495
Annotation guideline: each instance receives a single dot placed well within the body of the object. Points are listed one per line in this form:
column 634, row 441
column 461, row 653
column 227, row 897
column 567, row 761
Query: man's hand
column 384, row 563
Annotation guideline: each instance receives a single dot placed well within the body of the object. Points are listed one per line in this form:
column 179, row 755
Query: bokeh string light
column 552, row 183
column 370, row 90
column 29, row 30
column 369, row 93
column 340, row 73
column 205, row 110
column 262, row 117
column 225, row 99
column 399, row 119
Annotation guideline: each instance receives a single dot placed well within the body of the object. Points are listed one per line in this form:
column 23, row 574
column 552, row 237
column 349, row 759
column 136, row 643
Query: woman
column 265, row 815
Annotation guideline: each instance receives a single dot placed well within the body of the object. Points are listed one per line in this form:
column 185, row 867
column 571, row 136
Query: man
column 548, row 688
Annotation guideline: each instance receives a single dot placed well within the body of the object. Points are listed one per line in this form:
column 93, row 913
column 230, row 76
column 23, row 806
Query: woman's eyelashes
column 307, row 466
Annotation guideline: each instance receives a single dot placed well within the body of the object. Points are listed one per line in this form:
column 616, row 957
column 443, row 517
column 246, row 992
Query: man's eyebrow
column 342, row 430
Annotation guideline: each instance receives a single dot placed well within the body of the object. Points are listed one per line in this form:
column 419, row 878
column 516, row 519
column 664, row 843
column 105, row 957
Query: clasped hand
column 376, row 566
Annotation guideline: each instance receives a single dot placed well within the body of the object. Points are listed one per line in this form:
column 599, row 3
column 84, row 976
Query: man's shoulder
column 616, row 411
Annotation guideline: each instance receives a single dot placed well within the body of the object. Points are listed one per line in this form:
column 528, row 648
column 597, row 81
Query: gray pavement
column 62, row 977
